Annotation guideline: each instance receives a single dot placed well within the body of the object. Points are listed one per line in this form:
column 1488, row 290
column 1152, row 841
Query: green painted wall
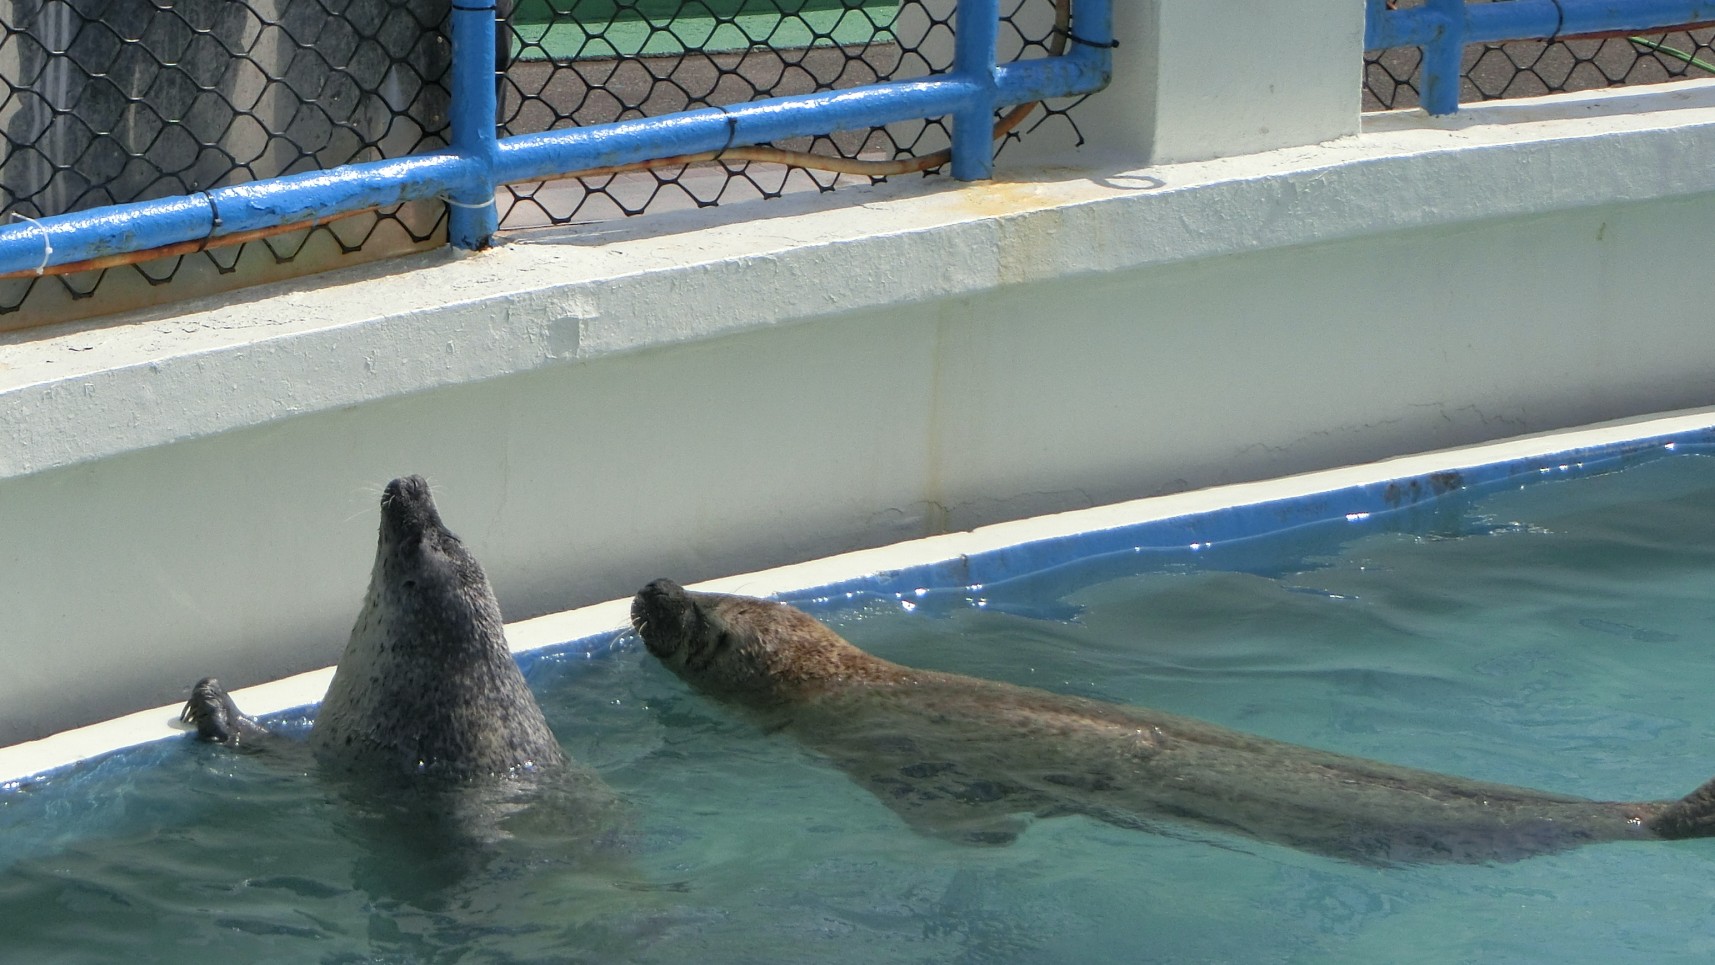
column 586, row 29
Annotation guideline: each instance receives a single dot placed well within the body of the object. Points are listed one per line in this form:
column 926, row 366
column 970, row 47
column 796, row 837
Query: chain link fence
column 580, row 62
column 109, row 101
column 1528, row 68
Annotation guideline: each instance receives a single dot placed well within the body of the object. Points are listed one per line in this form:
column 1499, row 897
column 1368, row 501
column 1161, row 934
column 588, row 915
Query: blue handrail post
column 471, row 216
column 1376, row 24
column 1442, row 56
column 976, row 33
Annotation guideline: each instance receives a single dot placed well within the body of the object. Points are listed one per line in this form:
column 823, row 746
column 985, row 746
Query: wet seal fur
column 427, row 684
column 972, row 759
column 448, row 782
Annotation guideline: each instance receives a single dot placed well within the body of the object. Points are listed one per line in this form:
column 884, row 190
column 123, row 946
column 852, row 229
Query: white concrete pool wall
column 1231, row 281
column 1014, row 544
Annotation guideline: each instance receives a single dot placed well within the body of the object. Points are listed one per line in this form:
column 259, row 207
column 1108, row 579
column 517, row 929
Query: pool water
column 1559, row 636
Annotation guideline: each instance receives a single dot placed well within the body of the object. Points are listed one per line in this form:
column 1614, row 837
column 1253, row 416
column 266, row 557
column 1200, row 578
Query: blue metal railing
column 1442, row 28
column 476, row 161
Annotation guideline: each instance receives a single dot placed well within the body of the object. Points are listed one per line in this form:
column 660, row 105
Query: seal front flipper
column 948, row 819
column 216, row 717
column 937, row 800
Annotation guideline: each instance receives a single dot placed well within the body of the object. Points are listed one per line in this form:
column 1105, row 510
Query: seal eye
column 706, row 657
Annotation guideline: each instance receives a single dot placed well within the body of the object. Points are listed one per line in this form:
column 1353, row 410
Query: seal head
column 427, row 683
column 756, row 651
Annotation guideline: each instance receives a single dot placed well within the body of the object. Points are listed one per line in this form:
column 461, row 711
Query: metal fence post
column 1442, row 56
column 471, row 216
column 976, row 32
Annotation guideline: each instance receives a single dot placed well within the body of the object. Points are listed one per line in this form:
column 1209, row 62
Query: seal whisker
column 363, row 496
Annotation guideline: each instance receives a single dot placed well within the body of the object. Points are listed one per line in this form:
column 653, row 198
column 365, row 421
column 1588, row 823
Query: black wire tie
column 731, row 127
column 214, row 210
column 1102, row 45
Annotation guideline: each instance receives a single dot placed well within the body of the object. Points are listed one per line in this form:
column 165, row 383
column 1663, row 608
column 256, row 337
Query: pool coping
column 1004, row 550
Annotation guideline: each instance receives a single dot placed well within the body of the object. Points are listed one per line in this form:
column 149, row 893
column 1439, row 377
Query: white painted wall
column 715, row 392
column 1199, row 79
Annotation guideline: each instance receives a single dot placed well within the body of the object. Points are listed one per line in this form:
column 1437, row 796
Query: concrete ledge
column 553, row 297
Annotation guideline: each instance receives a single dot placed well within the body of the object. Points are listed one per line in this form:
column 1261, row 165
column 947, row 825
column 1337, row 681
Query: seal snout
column 407, row 508
column 658, row 611
column 406, row 491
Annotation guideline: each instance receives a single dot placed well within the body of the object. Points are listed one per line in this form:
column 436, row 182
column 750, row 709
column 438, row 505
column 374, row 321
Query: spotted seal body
column 427, row 684
column 972, row 759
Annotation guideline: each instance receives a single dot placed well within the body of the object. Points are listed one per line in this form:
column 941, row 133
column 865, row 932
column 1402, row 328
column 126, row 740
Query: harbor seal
column 427, row 685
column 447, row 779
column 973, row 759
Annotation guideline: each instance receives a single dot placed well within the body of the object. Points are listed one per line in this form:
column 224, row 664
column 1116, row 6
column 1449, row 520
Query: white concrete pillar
column 1200, row 79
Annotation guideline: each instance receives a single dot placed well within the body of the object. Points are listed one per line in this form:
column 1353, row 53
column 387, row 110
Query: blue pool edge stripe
column 1370, row 502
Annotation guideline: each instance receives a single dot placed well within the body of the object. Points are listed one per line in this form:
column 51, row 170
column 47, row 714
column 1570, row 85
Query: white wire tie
column 47, row 242
column 461, row 204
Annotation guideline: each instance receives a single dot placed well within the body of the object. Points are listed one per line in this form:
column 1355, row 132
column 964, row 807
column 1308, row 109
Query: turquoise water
column 1561, row 636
